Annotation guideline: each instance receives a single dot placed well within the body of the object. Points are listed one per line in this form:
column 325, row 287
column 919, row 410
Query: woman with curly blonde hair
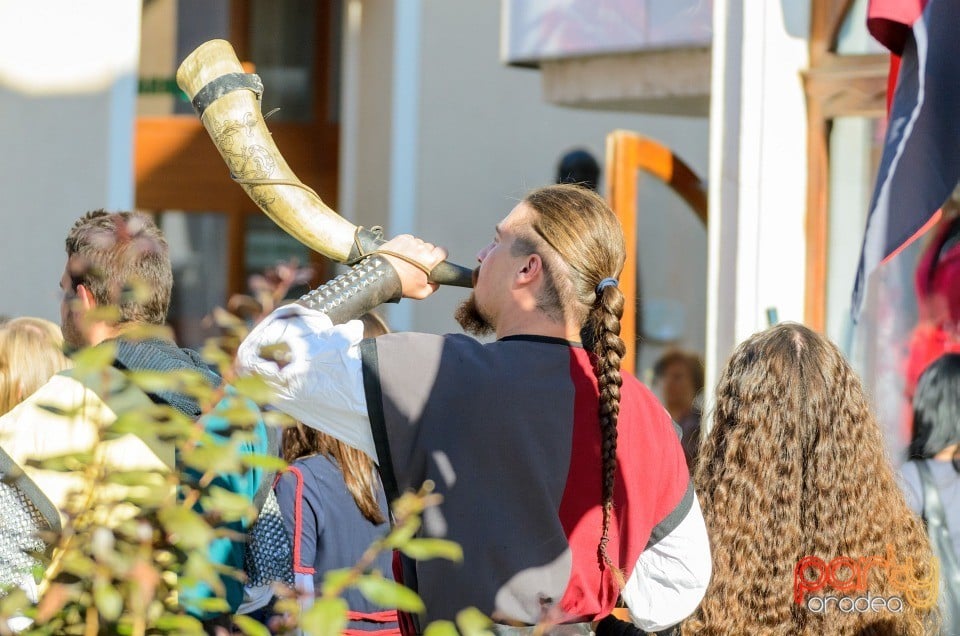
column 794, row 467
column 31, row 352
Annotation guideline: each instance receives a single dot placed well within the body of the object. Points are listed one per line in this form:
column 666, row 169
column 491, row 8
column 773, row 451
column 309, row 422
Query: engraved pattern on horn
column 252, row 161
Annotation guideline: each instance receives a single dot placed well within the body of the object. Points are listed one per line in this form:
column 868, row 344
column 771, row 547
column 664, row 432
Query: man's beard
column 72, row 338
column 471, row 319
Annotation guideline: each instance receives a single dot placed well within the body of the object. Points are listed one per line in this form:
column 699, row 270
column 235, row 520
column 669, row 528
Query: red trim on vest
column 649, row 454
column 386, row 616
column 298, row 524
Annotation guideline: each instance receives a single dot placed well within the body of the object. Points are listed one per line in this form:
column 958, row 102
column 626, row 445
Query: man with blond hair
column 562, row 477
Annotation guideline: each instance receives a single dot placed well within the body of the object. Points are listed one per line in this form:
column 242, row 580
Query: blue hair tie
column 606, row 282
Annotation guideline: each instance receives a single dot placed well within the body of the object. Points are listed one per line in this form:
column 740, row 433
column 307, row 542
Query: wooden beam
column 818, row 218
column 628, row 153
column 848, row 85
column 240, row 28
column 826, row 19
column 176, row 165
column 621, row 169
column 835, row 86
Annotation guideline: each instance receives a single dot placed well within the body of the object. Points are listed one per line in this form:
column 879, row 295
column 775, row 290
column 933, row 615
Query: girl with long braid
column 562, row 477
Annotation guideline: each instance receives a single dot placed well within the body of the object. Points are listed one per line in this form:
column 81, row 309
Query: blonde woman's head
column 31, row 352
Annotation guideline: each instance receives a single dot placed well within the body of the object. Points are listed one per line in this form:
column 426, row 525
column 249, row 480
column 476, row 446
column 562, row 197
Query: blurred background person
column 937, row 282
column 935, row 464
column 678, row 378
column 580, row 168
column 794, row 466
column 31, row 352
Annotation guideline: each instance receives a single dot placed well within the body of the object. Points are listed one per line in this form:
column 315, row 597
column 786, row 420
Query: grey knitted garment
column 162, row 355
column 20, row 525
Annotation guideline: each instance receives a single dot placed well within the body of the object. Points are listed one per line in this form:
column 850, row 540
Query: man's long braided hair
column 588, row 246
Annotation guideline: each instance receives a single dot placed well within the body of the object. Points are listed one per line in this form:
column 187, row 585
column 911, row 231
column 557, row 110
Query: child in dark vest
column 334, row 507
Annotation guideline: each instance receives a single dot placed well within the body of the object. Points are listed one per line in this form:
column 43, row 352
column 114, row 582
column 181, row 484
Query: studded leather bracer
column 368, row 284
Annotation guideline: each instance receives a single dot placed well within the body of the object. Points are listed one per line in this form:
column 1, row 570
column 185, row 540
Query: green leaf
column 14, row 602
column 150, row 497
column 286, row 606
column 95, row 358
column 137, row 478
column 278, row 419
column 193, row 381
column 179, row 624
column 225, row 319
column 131, row 422
column 155, row 381
column 143, row 331
column 255, row 388
column 211, row 605
column 389, row 594
column 78, row 564
column 108, row 600
column 335, row 580
column 61, row 412
column 278, row 352
column 327, row 617
column 240, row 415
column 186, row 528
column 219, row 459
column 441, row 628
column 230, row 505
column 212, row 354
column 402, row 534
column 63, row 463
column 473, row 622
column 103, row 313
column 198, row 569
column 422, row 549
column 249, row 626
column 266, row 462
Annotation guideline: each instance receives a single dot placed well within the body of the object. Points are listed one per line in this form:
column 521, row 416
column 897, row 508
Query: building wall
column 365, row 125
column 758, row 155
column 67, row 91
column 483, row 138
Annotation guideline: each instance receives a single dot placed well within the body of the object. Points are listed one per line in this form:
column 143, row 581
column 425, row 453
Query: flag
column 890, row 21
column 920, row 164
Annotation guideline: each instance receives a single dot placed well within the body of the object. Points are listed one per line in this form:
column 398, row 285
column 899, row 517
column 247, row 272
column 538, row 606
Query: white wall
column 67, row 91
column 365, row 125
column 758, row 151
column 484, row 136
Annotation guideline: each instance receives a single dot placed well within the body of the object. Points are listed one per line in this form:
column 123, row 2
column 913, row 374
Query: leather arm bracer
column 368, row 284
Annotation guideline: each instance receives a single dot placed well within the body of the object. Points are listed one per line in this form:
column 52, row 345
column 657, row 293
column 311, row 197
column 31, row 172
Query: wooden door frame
column 177, row 167
column 627, row 153
column 835, row 86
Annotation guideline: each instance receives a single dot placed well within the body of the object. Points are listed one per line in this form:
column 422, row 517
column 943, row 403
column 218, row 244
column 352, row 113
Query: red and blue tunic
column 509, row 432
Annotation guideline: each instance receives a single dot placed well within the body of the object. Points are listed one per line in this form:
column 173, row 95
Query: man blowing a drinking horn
column 563, row 478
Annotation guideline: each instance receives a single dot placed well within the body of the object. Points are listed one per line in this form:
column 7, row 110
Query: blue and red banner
column 920, row 165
